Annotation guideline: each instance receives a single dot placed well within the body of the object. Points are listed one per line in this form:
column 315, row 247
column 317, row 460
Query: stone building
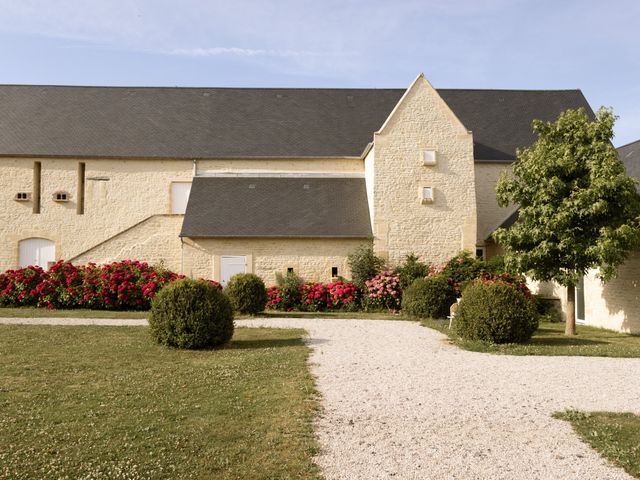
column 213, row 181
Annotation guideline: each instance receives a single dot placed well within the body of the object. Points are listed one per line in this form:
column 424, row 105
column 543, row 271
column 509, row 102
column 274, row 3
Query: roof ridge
column 175, row 87
column 628, row 144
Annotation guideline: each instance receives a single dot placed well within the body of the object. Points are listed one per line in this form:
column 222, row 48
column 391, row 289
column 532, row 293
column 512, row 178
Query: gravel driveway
column 401, row 403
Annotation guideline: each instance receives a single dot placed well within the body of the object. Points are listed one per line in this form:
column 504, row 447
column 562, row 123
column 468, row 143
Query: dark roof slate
column 630, row 155
column 160, row 122
column 277, row 207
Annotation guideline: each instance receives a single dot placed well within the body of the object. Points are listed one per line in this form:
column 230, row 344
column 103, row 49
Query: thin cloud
column 239, row 52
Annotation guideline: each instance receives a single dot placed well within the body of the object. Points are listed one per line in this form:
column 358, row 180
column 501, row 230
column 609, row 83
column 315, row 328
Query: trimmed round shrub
column 496, row 313
column 247, row 293
column 191, row 314
column 429, row 297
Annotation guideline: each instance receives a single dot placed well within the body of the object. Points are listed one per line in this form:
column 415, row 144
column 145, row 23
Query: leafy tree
column 411, row 269
column 364, row 264
column 579, row 210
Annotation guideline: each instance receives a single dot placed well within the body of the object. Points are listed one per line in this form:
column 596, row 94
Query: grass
column 29, row 312
column 550, row 339
column 91, row 402
column 616, row 436
column 343, row 315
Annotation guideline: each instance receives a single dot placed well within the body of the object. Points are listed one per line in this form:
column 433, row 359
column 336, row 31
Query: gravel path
column 401, row 403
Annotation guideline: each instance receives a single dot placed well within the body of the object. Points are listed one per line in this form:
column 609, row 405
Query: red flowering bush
column 274, row 299
column 218, row 285
column 344, row 295
column 315, row 297
column 20, row 287
column 459, row 270
column 125, row 285
column 516, row 281
column 383, row 292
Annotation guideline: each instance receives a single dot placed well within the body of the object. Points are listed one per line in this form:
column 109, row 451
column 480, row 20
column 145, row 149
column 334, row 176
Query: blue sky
column 543, row 44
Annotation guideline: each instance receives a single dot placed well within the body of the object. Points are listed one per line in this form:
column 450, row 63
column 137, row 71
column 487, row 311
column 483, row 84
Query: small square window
column 427, row 195
column 289, row 269
column 480, row 253
column 429, row 157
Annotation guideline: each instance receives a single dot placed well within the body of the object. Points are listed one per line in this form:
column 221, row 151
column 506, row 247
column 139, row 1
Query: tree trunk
column 570, row 324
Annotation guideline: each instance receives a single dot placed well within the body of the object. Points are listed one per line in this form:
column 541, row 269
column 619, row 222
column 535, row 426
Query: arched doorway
column 37, row 251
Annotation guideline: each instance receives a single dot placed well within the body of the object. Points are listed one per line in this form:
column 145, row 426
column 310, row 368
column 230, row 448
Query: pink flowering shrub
column 125, row 285
column 383, row 292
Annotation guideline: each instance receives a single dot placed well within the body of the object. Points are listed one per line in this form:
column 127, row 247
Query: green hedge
column 191, row 314
column 429, row 297
column 247, row 293
column 496, row 313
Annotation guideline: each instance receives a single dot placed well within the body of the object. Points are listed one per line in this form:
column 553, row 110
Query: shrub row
column 125, row 285
column 293, row 294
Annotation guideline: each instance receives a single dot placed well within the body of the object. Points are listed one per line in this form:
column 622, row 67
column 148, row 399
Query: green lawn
column 43, row 312
column 107, row 403
column 26, row 312
column 616, row 436
column 550, row 339
column 345, row 315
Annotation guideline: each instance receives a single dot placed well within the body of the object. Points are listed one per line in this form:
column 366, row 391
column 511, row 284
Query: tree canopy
column 578, row 209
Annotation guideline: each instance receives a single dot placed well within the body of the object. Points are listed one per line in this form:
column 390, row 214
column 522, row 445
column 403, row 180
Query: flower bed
column 125, row 285
column 316, row 297
column 383, row 292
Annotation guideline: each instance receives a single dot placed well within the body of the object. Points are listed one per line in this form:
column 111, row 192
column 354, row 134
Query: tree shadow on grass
column 561, row 341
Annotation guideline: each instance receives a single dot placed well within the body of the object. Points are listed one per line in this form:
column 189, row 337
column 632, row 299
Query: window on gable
column 429, row 157
column 426, row 195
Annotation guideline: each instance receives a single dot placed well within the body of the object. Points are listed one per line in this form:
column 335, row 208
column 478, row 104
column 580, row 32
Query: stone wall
column 490, row 215
column 118, row 195
column 311, row 258
column 614, row 305
column 402, row 224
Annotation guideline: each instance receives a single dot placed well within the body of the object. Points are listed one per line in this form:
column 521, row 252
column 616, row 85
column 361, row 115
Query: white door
column 180, row 196
column 38, row 252
column 229, row 266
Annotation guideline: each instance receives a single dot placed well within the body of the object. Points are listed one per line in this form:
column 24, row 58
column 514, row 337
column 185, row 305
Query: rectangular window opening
column 37, row 181
column 334, row 271
column 429, row 157
column 289, row 269
column 480, row 253
column 427, row 195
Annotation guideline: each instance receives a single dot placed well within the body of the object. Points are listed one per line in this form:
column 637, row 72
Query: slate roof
column 158, row 122
column 277, row 207
column 630, row 156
